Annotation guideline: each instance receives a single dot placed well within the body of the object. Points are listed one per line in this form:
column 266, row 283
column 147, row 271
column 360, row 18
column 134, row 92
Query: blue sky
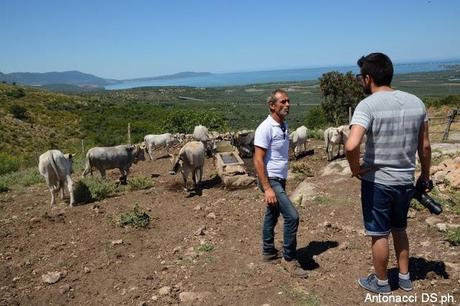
column 140, row 38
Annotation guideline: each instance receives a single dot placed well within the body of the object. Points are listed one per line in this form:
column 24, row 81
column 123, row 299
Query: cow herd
column 56, row 167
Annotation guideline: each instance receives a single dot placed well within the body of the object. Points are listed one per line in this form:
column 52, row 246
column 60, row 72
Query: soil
column 206, row 248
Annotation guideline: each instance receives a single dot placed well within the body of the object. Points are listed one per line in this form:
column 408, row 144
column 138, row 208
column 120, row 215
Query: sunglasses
column 283, row 128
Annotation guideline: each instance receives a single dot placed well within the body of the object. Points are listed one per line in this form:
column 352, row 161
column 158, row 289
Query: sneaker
column 405, row 284
column 271, row 256
column 294, row 268
column 370, row 283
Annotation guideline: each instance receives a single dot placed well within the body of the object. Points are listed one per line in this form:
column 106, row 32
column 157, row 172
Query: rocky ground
column 206, row 250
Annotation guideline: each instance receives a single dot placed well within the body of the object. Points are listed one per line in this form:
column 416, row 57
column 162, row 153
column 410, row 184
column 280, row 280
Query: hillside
column 46, row 78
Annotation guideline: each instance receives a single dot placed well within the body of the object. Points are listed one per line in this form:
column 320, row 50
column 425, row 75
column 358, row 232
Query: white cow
column 121, row 157
column 56, row 167
column 298, row 138
column 335, row 137
column 190, row 158
column 153, row 142
column 200, row 133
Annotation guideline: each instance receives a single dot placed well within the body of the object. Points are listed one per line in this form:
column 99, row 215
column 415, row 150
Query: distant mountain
column 66, row 77
column 180, row 75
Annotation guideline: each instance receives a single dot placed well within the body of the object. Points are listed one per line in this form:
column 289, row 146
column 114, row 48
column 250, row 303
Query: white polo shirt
column 270, row 136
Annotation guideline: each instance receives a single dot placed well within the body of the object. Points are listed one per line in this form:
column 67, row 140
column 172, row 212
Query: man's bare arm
column 424, row 151
column 352, row 148
column 269, row 194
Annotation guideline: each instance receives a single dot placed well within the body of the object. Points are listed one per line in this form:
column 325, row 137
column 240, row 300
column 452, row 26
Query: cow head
column 138, row 153
column 176, row 163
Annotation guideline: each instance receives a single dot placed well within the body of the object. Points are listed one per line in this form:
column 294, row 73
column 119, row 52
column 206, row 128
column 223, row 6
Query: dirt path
column 204, row 248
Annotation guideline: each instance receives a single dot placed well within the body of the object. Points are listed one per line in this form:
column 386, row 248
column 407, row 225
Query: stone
column 87, row 270
column 166, row 290
column 64, row 289
column 116, row 242
column 344, row 245
column 200, row 231
column 51, row 277
column 304, row 192
column 411, row 213
column 198, row 207
column 442, row 227
column 154, row 298
column 432, row 220
column 188, row 296
column 211, row 216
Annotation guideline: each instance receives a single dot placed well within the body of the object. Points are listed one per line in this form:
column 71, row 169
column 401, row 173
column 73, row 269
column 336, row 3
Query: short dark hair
column 272, row 99
column 378, row 66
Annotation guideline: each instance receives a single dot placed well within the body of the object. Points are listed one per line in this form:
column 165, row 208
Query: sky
column 140, row 38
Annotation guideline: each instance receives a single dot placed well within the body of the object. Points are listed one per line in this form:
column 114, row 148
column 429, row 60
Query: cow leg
column 102, row 171
column 53, row 200
column 200, row 176
column 185, row 171
column 194, row 173
column 151, row 153
column 69, row 184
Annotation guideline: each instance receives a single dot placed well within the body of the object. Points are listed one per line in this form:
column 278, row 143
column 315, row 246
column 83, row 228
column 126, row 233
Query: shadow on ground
column 305, row 254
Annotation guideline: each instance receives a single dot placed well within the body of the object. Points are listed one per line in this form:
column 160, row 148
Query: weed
column 206, row 247
column 453, row 236
column 93, row 189
column 416, row 205
column 139, row 183
column 319, row 199
column 135, row 218
column 303, row 168
column 20, row 179
column 301, row 297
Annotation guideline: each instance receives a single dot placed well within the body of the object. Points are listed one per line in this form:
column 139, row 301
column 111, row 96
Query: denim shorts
column 385, row 207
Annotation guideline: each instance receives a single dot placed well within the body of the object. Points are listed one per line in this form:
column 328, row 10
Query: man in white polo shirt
column 271, row 163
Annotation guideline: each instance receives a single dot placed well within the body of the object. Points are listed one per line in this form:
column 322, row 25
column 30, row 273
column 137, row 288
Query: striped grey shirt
column 392, row 120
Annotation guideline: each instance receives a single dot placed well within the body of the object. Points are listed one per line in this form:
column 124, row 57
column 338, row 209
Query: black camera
column 424, row 199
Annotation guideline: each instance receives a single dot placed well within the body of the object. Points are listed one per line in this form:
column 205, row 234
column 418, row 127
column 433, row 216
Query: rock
column 116, row 242
column 64, row 289
column 455, row 267
column 51, row 277
column 166, row 290
column 432, row 220
column 35, row 220
column 425, row 243
column 304, row 192
column 198, row 207
column 154, row 298
column 211, row 216
column 338, row 167
column 344, row 245
column 86, row 269
column 442, row 227
column 431, row 275
column 142, row 303
column 200, row 231
column 411, row 213
column 177, row 249
column 187, row 296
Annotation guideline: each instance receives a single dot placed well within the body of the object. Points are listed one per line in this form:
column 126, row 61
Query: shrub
column 316, row 134
column 139, row 183
column 135, row 218
column 23, row 178
column 8, row 163
column 16, row 93
column 206, row 247
column 453, row 236
column 3, row 188
column 98, row 189
column 18, row 112
column 315, row 118
column 303, row 168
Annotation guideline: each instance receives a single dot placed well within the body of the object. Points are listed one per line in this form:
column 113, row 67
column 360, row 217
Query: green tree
column 339, row 92
column 18, row 112
column 315, row 118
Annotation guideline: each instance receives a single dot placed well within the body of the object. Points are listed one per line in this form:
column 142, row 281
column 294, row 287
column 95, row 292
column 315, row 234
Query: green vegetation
column 139, row 183
column 20, row 179
column 135, row 218
column 302, row 168
column 453, row 236
column 18, row 112
column 321, row 200
column 8, row 163
column 301, row 297
column 340, row 92
column 93, row 189
column 206, row 247
column 316, row 118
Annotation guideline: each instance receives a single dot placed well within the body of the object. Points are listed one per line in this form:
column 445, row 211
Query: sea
column 270, row 76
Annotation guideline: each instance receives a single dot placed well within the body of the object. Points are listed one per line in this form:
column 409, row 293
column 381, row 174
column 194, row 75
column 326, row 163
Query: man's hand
column 270, row 197
column 358, row 172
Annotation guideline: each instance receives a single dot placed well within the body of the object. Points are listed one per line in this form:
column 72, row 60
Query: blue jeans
column 291, row 222
column 385, row 207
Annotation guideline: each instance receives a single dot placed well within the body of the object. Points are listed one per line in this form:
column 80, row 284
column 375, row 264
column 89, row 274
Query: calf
column 56, row 167
column 153, row 142
column 190, row 158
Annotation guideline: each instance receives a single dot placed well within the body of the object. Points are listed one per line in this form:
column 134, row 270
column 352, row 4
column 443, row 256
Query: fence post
column 450, row 118
column 349, row 115
column 129, row 133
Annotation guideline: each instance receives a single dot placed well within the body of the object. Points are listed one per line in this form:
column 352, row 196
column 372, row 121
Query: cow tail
column 56, row 172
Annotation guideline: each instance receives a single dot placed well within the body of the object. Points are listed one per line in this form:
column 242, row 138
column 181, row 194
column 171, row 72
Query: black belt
column 278, row 179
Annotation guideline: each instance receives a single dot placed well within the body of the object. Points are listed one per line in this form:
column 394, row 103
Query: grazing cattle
column 244, row 142
column 190, row 159
column 332, row 139
column 121, row 157
column 56, row 167
column 200, row 133
column 299, row 138
column 153, row 142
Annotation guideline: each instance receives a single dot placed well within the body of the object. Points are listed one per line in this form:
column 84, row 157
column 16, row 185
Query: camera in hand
column 424, row 199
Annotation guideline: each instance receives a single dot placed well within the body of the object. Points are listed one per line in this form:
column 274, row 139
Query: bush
column 139, row 183
column 206, row 247
column 8, row 164
column 3, row 188
column 93, row 189
column 16, row 93
column 315, row 118
column 18, row 112
column 453, row 236
column 135, row 218
column 23, row 178
column 316, row 134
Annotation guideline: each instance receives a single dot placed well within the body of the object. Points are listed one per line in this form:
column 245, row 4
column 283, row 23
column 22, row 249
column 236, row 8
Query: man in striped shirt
column 396, row 126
